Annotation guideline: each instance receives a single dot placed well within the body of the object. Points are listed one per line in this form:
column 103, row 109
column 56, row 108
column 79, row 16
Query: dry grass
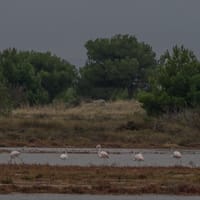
column 112, row 110
column 101, row 180
column 115, row 124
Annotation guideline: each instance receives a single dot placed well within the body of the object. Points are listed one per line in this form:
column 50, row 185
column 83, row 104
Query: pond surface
column 93, row 197
column 88, row 157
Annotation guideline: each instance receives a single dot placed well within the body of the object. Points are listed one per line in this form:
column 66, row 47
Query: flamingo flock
column 102, row 154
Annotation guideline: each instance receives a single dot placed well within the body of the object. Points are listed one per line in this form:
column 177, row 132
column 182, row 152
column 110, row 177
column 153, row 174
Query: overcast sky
column 63, row 26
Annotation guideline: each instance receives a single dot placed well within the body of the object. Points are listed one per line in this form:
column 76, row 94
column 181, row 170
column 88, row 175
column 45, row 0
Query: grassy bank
column 116, row 124
column 98, row 180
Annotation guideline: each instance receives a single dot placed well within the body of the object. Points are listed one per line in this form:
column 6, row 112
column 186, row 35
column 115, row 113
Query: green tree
column 194, row 94
column 5, row 99
column 115, row 64
column 55, row 73
column 35, row 78
column 21, row 80
column 174, row 84
column 102, row 80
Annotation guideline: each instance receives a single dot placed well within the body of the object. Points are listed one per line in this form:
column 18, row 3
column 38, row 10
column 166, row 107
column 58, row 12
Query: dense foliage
column 175, row 84
column 115, row 67
column 35, row 78
column 119, row 67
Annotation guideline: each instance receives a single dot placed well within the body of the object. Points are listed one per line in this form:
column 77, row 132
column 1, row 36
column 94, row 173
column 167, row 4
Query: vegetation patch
column 115, row 124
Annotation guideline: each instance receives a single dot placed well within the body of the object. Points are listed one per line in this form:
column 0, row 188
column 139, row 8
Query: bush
column 70, row 97
column 175, row 84
column 120, row 94
column 5, row 101
column 150, row 103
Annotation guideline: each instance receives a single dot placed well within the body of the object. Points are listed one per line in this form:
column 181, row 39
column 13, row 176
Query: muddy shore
column 99, row 180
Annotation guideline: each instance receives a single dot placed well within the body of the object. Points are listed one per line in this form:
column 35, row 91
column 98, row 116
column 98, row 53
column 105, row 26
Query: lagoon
column 118, row 157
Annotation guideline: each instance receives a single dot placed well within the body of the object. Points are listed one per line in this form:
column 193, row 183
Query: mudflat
column 99, row 180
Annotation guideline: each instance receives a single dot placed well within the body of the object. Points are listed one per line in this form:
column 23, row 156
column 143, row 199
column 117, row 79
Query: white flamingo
column 64, row 155
column 138, row 157
column 15, row 155
column 101, row 154
column 177, row 155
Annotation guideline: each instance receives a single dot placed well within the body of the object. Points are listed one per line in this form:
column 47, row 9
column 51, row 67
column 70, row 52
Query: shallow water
column 118, row 157
column 92, row 197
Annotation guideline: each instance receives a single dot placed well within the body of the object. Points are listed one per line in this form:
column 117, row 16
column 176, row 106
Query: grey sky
column 63, row 26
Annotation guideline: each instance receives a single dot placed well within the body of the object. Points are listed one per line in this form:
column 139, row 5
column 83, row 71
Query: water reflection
column 88, row 157
column 92, row 197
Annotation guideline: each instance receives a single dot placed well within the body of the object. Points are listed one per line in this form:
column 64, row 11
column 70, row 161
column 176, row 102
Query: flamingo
column 64, row 155
column 138, row 157
column 177, row 155
column 15, row 155
column 101, row 154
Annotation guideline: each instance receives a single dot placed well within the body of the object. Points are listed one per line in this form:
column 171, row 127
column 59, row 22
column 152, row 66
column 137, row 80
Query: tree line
column 120, row 67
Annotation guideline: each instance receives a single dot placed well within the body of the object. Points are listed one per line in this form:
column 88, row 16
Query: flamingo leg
column 10, row 161
column 21, row 160
column 14, row 160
